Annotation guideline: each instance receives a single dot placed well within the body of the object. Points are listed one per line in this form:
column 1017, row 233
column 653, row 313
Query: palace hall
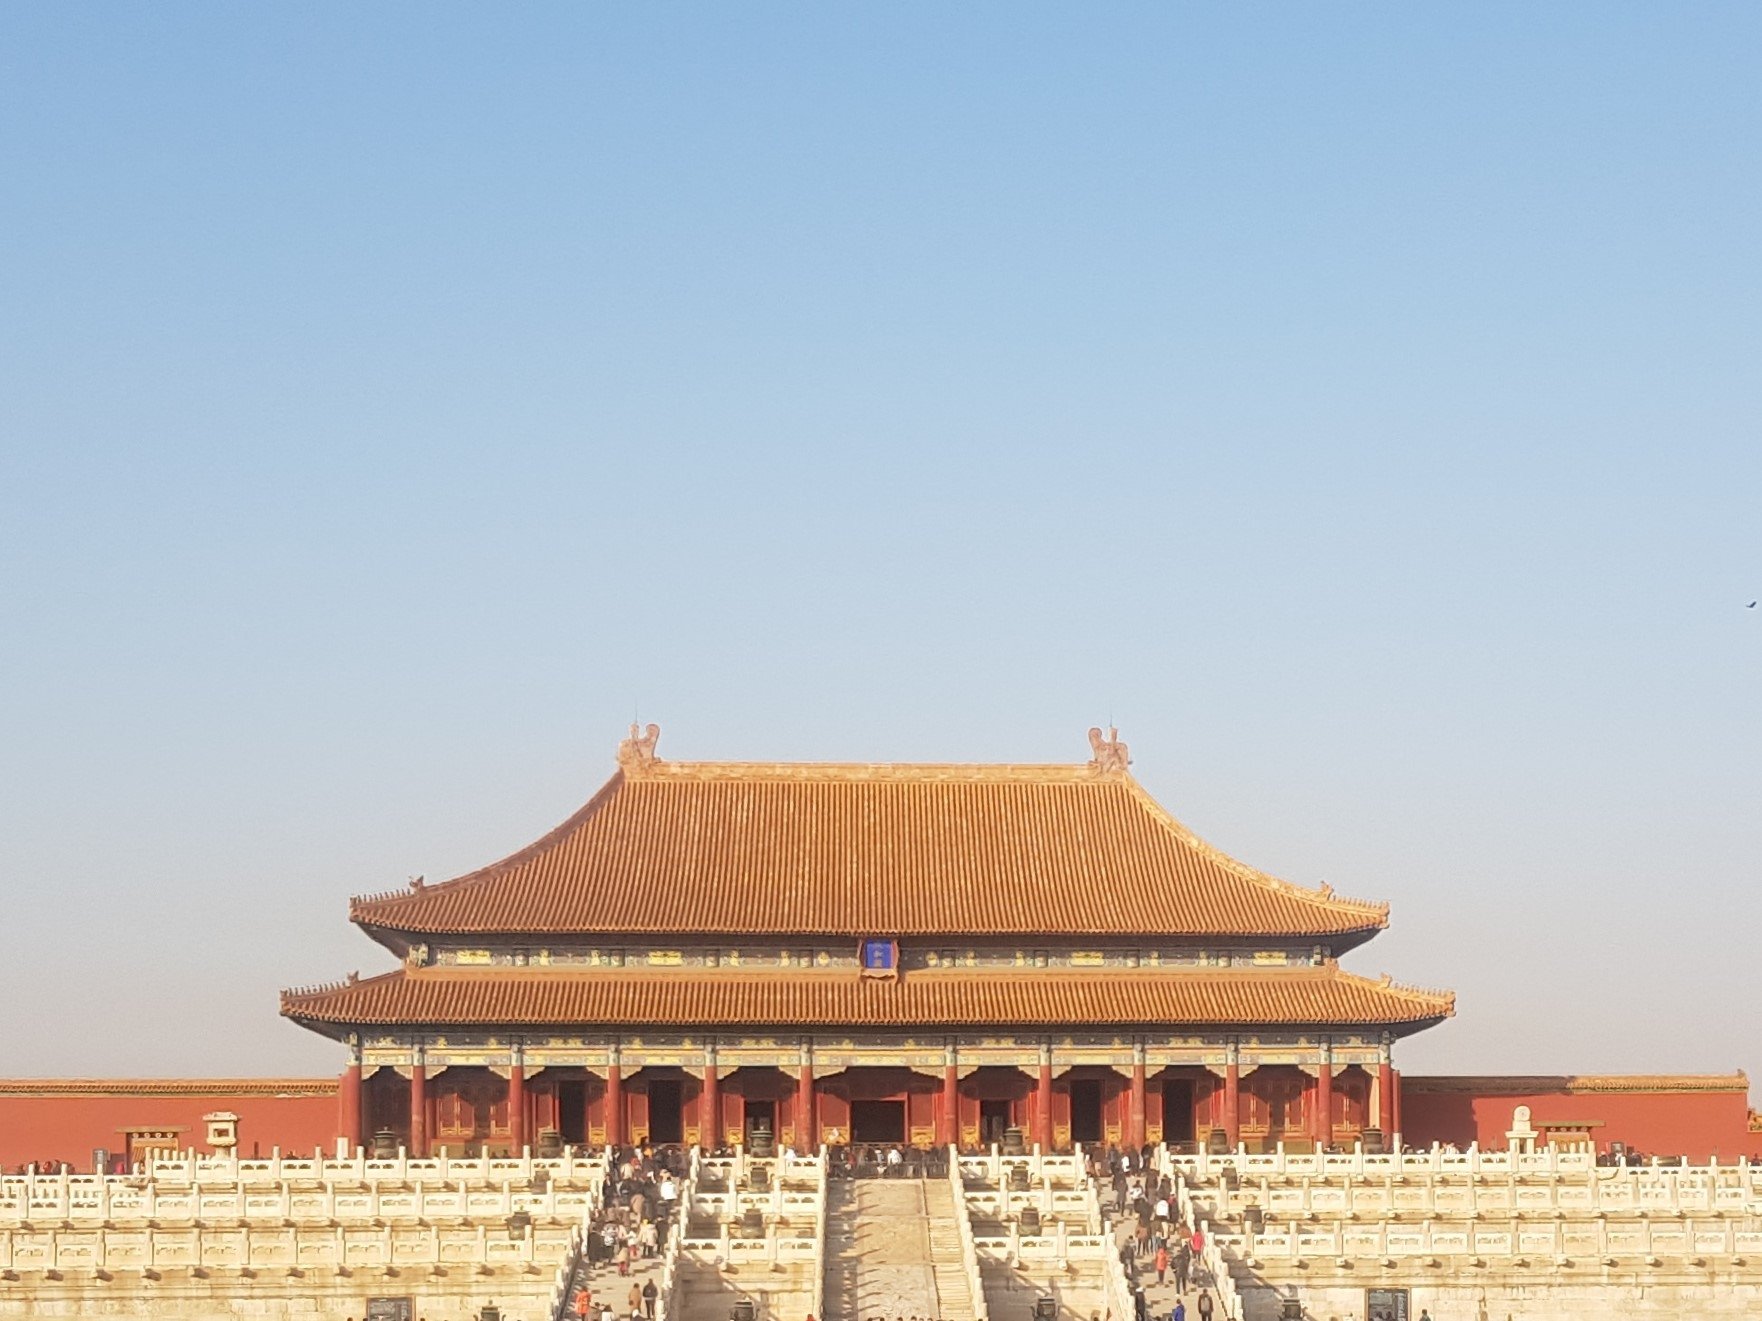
column 725, row 953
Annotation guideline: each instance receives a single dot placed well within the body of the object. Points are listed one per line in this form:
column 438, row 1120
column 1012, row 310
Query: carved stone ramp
column 893, row 1250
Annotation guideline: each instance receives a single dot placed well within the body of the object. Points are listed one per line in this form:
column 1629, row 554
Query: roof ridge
column 1322, row 894
column 1408, row 989
column 930, row 771
column 489, row 872
column 316, row 990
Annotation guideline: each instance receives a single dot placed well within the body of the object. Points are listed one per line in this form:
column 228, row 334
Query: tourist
column 894, row 1161
column 649, row 1295
column 1162, row 1264
column 636, row 1299
column 648, row 1237
column 1180, row 1311
column 1205, row 1305
column 1183, row 1265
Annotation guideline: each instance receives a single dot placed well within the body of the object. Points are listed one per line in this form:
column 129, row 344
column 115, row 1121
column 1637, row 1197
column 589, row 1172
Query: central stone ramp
column 893, row 1249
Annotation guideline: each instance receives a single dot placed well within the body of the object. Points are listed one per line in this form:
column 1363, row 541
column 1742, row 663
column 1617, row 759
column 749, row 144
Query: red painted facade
column 1699, row 1118
column 65, row 1120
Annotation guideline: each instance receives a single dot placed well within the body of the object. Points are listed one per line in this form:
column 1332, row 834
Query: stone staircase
column 893, row 1249
column 605, row 1285
column 954, row 1294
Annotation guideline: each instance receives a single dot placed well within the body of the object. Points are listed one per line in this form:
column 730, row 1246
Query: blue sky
column 1358, row 405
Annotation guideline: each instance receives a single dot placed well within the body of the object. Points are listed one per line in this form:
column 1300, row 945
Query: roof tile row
column 1320, row 995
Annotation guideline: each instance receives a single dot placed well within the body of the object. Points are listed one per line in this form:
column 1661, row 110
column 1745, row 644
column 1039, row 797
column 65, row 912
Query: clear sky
column 1359, row 405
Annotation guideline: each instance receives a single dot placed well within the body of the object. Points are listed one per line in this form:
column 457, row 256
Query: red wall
column 64, row 1121
column 1654, row 1118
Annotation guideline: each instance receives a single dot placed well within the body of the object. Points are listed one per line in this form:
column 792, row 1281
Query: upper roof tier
column 725, row 848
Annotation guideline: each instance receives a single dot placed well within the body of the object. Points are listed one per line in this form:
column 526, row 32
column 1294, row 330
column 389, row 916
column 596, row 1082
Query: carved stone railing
column 993, row 1167
column 1279, row 1163
column 575, row 1163
column 120, row 1203
column 969, row 1253
column 1601, row 1240
column 1456, row 1190
column 818, row 1286
column 794, row 1207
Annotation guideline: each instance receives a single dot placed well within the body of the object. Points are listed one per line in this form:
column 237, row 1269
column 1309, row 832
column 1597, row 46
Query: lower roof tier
column 1319, row 996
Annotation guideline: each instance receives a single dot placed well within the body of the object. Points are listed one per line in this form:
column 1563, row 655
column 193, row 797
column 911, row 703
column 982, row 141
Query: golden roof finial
column 1110, row 753
column 638, row 750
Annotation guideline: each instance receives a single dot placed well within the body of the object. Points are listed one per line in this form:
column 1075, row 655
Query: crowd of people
column 638, row 1203
column 886, row 1161
column 1159, row 1239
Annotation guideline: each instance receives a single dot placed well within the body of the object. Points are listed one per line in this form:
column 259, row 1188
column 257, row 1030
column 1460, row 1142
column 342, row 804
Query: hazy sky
column 1359, row 405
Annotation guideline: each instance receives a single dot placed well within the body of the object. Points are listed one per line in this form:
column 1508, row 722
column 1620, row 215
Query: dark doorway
column 666, row 1112
column 993, row 1120
column 760, row 1117
column 877, row 1121
column 1085, row 1110
column 572, row 1111
column 1177, row 1110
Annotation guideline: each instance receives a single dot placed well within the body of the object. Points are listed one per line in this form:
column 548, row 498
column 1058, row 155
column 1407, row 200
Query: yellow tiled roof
column 719, row 848
column 440, row 996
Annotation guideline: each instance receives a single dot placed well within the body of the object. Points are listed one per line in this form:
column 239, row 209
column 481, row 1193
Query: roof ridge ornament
column 637, row 752
column 1111, row 755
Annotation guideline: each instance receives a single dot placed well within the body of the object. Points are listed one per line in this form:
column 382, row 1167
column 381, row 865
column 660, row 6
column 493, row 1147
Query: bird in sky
column 1751, row 606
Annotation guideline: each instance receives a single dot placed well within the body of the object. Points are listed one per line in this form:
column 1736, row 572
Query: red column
column 1043, row 1106
column 709, row 1110
column 1395, row 1085
column 807, row 1133
column 1323, row 1128
column 349, row 1097
column 418, row 1109
column 614, row 1104
column 1135, row 1113
column 517, row 1107
column 1233, row 1103
column 1386, row 1099
column 951, row 1105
